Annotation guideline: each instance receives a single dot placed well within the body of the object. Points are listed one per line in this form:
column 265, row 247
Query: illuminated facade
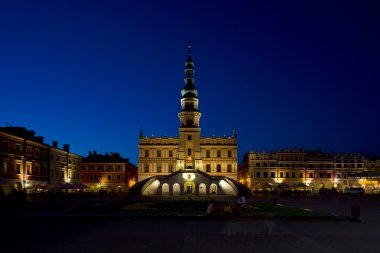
column 205, row 157
column 298, row 169
column 23, row 159
column 64, row 165
column 110, row 172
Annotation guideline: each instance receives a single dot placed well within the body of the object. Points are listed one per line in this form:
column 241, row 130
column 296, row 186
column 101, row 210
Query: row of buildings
column 298, row 169
column 193, row 164
column 26, row 162
column 186, row 164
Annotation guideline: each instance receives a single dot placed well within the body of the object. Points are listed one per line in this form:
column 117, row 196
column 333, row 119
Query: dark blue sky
column 283, row 73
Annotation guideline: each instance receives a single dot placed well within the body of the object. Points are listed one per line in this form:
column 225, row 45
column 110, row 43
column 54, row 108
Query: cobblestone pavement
column 205, row 236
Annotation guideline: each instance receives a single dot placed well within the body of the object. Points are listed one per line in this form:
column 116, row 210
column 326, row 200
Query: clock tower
column 189, row 150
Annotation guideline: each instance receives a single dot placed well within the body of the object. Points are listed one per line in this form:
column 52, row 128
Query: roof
column 367, row 174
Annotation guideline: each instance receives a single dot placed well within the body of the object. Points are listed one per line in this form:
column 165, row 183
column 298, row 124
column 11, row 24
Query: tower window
column 170, row 153
column 146, row 153
column 189, row 123
column 229, row 153
column 158, row 153
column 218, row 153
column 189, row 137
column 189, row 151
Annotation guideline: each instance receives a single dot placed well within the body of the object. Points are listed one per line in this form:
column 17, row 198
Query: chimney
column 95, row 152
column 39, row 139
column 66, row 147
column 55, row 144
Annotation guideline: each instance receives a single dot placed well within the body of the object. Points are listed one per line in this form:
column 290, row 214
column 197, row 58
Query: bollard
column 355, row 212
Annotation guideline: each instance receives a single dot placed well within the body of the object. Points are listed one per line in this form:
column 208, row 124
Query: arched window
column 176, row 189
column 202, row 189
column 165, row 189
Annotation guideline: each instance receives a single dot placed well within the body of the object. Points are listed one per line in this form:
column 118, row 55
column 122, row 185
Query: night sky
column 283, row 74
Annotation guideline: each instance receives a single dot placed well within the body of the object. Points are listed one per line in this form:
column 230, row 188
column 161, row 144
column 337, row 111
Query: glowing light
column 188, row 176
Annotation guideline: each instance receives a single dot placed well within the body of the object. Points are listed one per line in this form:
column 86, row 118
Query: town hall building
column 188, row 163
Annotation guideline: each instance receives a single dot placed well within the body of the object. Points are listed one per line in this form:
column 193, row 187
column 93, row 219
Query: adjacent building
column 65, row 167
column 109, row 172
column 23, row 159
column 296, row 169
column 26, row 162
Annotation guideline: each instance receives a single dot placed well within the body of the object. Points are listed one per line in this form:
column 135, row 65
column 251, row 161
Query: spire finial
column 141, row 133
column 189, row 47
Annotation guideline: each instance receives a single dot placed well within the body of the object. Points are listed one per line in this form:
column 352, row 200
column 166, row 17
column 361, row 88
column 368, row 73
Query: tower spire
column 189, row 52
column 189, row 89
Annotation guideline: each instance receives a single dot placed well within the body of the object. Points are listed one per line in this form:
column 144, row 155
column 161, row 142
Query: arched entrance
column 176, row 189
column 213, row 189
column 202, row 189
column 189, row 187
column 165, row 189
